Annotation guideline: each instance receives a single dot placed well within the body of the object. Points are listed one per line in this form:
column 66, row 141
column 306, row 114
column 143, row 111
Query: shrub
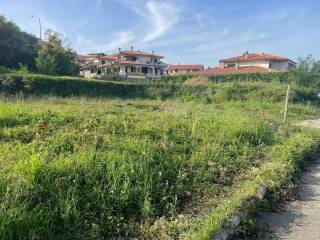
column 281, row 77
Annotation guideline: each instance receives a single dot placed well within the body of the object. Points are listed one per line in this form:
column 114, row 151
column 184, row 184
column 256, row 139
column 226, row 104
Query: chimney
column 221, row 64
column 237, row 65
column 131, row 48
column 119, row 50
column 246, row 54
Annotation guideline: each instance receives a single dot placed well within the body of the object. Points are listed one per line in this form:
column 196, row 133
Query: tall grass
column 83, row 168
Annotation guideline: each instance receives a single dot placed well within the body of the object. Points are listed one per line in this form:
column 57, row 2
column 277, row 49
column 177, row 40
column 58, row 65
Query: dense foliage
column 72, row 86
column 55, row 59
column 176, row 78
column 79, row 168
column 281, row 77
column 307, row 72
column 16, row 47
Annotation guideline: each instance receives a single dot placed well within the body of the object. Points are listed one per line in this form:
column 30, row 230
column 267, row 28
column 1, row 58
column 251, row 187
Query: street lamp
column 40, row 27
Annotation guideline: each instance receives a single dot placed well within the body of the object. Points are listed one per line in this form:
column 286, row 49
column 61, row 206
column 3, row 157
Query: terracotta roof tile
column 109, row 57
column 231, row 70
column 255, row 56
column 186, row 67
column 139, row 53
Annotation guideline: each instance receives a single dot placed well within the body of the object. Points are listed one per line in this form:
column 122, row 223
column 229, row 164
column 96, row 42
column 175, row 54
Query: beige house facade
column 250, row 63
column 129, row 64
column 263, row 60
column 184, row 69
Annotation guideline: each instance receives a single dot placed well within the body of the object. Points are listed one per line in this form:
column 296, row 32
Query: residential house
column 250, row 63
column 184, row 69
column 130, row 64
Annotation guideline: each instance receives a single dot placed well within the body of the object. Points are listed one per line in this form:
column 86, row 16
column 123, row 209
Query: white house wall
column 255, row 63
column 280, row 65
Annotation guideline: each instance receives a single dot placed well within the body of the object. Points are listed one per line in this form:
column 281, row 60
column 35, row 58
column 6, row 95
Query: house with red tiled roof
column 250, row 63
column 130, row 64
column 181, row 69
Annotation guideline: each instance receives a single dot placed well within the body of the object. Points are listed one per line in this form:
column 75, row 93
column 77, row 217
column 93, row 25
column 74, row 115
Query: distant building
column 250, row 63
column 129, row 64
column 184, row 69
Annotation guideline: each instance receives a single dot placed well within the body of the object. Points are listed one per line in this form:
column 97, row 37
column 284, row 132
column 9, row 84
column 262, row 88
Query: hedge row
column 281, row 77
column 67, row 86
column 72, row 86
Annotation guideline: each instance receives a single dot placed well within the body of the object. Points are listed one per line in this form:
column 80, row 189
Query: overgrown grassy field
column 157, row 167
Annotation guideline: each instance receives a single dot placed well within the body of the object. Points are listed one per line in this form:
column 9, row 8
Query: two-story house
column 251, row 63
column 181, row 69
column 130, row 64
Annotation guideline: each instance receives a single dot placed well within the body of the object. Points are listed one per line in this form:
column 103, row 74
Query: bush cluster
column 13, row 83
column 281, row 77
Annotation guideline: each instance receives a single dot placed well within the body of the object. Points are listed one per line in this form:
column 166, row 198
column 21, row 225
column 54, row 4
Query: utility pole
column 40, row 27
column 285, row 117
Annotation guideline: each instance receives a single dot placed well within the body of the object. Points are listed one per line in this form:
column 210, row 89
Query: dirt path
column 300, row 219
column 311, row 123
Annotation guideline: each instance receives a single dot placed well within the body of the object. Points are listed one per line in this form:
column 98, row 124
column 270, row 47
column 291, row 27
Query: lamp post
column 40, row 27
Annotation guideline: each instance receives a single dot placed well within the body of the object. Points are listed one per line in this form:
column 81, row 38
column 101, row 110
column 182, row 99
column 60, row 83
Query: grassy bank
column 285, row 160
column 167, row 161
column 42, row 85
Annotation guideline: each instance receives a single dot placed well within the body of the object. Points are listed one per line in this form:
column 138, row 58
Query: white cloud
column 120, row 39
column 158, row 17
column 163, row 17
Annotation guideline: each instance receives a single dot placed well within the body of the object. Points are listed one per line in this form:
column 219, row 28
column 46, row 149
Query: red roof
column 139, row 53
column 231, row 70
column 186, row 67
column 84, row 57
column 109, row 57
column 126, row 62
column 103, row 65
column 255, row 56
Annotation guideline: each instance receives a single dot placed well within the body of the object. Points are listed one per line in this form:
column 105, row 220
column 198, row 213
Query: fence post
column 285, row 117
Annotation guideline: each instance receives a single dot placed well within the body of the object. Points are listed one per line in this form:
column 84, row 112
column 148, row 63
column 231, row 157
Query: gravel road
column 299, row 219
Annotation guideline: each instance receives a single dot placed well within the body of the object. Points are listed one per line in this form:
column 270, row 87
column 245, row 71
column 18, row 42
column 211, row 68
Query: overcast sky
column 184, row 31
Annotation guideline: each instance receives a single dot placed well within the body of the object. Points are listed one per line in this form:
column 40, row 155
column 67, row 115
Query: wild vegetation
column 16, row 47
column 147, row 165
column 97, row 159
column 20, row 50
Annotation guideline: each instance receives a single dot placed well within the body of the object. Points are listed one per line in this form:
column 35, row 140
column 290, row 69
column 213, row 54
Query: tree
column 54, row 58
column 16, row 47
column 307, row 72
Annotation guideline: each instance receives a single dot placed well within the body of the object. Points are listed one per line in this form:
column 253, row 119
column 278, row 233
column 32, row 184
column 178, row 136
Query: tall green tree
column 54, row 57
column 307, row 72
column 16, row 47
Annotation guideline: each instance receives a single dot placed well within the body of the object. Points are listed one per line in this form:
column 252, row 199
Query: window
column 156, row 71
column 103, row 62
column 144, row 70
column 99, row 71
column 270, row 65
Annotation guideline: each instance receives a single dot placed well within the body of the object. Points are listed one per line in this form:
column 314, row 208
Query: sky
column 184, row 31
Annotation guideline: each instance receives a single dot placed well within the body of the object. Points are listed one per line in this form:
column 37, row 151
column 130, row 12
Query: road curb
column 230, row 228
